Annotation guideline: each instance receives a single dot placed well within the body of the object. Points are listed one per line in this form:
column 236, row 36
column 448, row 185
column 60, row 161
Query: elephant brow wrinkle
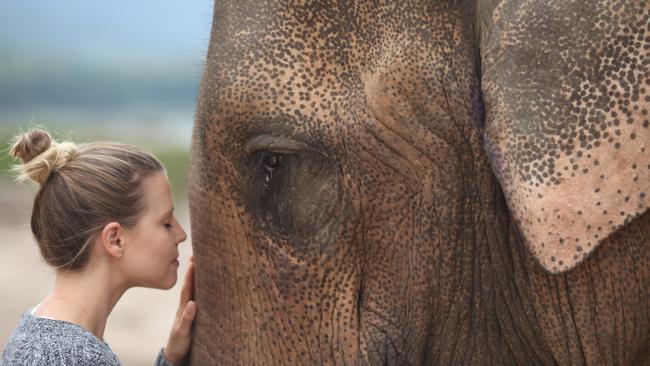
column 277, row 144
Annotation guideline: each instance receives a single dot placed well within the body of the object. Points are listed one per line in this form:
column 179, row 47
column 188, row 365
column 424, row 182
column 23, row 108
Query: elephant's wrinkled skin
column 423, row 183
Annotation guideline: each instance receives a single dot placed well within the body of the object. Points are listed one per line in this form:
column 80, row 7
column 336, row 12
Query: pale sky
column 115, row 30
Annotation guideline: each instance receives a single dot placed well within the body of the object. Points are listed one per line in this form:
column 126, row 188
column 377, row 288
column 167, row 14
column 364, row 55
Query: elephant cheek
column 266, row 298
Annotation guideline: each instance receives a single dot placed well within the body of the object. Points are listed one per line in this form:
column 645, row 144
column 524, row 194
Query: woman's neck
column 85, row 298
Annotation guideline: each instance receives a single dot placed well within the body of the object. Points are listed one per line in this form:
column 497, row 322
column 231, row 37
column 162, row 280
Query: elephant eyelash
column 267, row 162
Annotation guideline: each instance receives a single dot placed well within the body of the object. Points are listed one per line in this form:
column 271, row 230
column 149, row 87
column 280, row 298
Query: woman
column 103, row 217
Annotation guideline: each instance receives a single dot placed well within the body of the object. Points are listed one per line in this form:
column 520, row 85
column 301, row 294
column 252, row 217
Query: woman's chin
column 166, row 283
column 169, row 283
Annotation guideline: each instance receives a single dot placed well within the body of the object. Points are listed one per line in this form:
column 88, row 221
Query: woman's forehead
column 158, row 193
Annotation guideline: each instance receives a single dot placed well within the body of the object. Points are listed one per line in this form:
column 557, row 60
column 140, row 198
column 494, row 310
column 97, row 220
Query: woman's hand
column 178, row 344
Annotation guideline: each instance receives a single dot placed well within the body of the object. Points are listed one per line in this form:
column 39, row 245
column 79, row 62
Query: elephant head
column 423, row 182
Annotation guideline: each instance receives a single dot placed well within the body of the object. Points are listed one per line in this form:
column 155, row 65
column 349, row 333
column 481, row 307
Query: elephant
column 423, row 183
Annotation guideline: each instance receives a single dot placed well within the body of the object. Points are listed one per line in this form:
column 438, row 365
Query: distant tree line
column 96, row 86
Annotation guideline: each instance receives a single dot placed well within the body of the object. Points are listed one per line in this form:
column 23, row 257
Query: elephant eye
column 267, row 163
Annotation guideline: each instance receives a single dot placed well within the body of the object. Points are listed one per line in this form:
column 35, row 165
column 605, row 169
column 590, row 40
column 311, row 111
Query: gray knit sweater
column 48, row 342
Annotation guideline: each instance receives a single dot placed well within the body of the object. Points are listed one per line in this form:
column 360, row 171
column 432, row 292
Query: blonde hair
column 82, row 188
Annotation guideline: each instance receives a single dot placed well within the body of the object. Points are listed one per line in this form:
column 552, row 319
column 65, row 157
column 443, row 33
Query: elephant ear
column 565, row 86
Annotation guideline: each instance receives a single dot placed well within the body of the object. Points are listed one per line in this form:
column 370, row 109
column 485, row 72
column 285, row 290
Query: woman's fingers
column 180, row 337
column 187, row 292
column 184, row 322
column 178, row 344
column 188, row 316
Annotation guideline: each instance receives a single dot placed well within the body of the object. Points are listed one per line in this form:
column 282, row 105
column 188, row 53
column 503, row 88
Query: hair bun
column 40, row 155
column 31, row 144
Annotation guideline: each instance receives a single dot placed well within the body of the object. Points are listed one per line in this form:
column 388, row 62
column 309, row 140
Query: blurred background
column 119, row 70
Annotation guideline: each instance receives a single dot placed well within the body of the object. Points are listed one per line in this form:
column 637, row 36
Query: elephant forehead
column 321, row 70
column 566, row 93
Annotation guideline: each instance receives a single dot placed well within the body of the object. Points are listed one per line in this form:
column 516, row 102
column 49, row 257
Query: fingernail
column 191, row 307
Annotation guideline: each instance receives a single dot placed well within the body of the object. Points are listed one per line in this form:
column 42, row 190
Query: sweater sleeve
column 162, row 361
column 50, row 342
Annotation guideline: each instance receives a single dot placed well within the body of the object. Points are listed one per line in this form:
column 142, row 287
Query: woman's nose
column 183, row 235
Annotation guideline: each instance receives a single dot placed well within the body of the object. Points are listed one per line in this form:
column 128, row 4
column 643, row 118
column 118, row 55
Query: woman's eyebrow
column 168, row 213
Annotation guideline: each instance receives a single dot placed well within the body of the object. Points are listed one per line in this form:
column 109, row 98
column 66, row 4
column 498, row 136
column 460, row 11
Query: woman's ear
column 112, row 239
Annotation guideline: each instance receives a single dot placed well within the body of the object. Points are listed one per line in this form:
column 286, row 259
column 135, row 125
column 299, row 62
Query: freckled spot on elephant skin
column 574, row 115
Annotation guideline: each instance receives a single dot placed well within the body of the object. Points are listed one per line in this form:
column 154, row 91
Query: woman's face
column 151, row 246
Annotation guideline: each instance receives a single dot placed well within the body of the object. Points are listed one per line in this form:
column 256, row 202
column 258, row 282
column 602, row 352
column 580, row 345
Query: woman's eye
column 168, row 226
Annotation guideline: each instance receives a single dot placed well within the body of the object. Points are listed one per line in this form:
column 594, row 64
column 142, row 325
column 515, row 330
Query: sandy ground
column 139, row 324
